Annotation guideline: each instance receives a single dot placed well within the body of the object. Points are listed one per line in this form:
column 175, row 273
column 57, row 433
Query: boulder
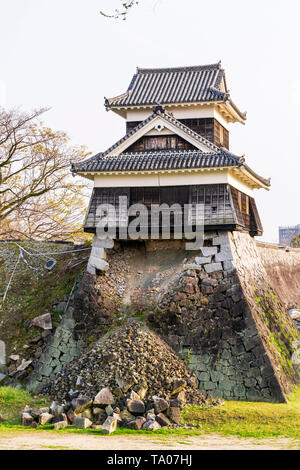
column 110, row 357
column 123, row 384
column 3, row 378
column 151, row 426
column 45, row 418
column 178, row 385
column 109, row 410
column 87, row 414
column 126, row 416
column 160, row 404
column 163, row 420
column 134, row 396
column 109, row 425
column 82, row 423
column 99, row 417
column 104, row 397
column 136, row 407
column 59, row 418
column 80, row 403
column 174, row 414
column 26, row 419
column 151, row 416
column 87, row 405
column 56, row 408
column 60, row 425
column 136, row 423
column 43, row 321
column 36, row 412
column 71, row 415
column 141, row 391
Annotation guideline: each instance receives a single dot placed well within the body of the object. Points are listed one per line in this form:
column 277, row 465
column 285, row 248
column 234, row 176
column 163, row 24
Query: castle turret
column 176, row 150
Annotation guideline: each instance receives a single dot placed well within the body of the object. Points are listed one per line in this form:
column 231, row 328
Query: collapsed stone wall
column 218, row 308
column 210, row 315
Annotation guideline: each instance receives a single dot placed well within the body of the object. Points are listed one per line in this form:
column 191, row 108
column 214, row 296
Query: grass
column 12, row 402
column 247, row 419
column 241, row 419
column 32, row 292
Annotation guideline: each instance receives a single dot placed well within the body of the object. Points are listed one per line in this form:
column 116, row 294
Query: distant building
column 286, row 234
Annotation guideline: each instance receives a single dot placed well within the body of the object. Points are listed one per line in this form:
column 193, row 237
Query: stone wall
column 220, row 308
column 223, row 316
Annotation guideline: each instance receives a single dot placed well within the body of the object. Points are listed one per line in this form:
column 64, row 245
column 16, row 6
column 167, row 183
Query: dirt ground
column 56, row 441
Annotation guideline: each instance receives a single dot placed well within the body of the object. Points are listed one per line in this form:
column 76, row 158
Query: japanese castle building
column 176, row 150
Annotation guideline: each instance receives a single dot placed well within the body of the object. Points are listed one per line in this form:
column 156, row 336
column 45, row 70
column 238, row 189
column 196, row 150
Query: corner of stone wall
column 208, row 318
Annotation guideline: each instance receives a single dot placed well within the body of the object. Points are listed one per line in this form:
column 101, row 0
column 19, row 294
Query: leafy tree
column 295, row 242
column 122, row 14
column 38, row 198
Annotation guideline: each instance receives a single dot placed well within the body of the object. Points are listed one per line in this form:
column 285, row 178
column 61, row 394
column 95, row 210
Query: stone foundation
column 223, row 316
column 221, row 308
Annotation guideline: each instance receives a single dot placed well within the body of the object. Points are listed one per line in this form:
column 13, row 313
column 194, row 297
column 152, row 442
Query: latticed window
column 216, row 204
column 111, row 203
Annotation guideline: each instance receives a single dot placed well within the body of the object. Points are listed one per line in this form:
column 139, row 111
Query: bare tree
column 122, row 14
column 38, row 198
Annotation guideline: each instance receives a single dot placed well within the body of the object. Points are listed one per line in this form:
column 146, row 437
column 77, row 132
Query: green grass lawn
column 243, row 419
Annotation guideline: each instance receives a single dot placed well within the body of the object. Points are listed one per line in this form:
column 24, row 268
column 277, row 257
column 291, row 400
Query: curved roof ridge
column 187, row 68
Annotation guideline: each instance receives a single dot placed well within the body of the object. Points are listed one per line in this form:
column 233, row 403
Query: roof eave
column 257, row 179
column 91, row 173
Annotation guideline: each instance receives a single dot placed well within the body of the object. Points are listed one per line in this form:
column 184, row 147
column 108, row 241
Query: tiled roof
column 160, row 160
column 158, row 111
column 173, row 85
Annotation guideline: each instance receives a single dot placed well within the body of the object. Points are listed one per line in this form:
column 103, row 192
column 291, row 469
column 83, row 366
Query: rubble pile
column 130, row 377
column 128, row 357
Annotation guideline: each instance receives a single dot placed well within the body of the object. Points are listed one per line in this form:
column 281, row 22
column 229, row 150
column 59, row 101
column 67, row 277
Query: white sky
column 64, row 54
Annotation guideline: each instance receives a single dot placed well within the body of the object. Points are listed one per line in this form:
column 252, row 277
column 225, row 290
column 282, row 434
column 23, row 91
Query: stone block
column 43, row 321
column 60, row 425
column 98, row 253
column 82, row 423
column 98, row 263
column 91, row 270
column 221, row 240
column 203, row 259
column 104, row 397
column 224, row 255
column 213, row 267
column 207, row 386
column 45, row 418
column 26, row 419
column 2, row 354
column 106, row 243
column 109, row 425
column 204, row 376
column 136, row 407
column 208, row 250
column 228, row 266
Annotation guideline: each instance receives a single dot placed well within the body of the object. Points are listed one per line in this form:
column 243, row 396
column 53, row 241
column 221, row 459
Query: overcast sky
column 64, row 54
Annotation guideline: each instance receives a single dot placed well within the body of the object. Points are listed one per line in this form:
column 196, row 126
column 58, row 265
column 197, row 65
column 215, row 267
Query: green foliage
column 280, row 334
column 295, row 242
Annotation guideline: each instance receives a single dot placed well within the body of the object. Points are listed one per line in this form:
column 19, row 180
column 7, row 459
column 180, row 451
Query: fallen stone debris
column 130, row 378
column 102, row 413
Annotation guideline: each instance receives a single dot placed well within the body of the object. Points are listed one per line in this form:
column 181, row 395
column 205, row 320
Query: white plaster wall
column 171, row 179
